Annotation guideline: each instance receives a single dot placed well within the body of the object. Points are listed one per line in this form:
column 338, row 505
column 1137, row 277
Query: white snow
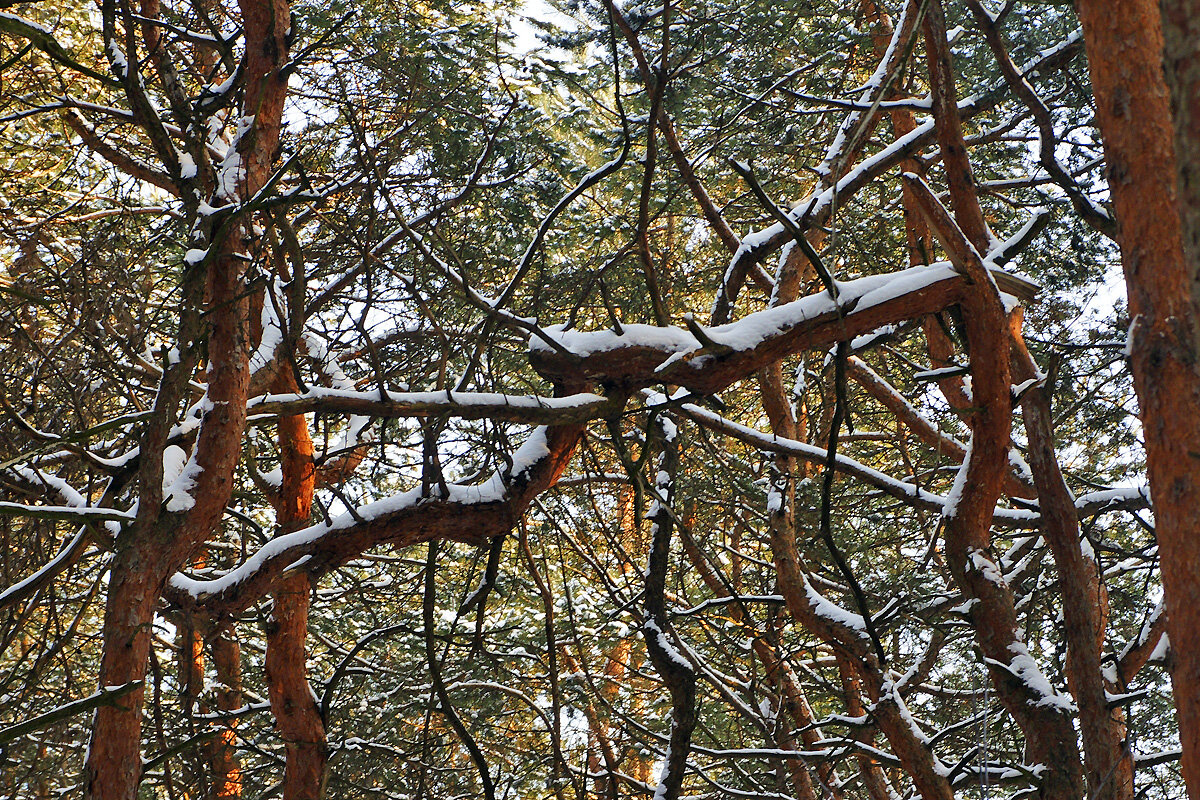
column 116, row 57
column 187, row 166
column 750, row 331
column 950, row 508
column 184, row 471
column 1026, row 669
column 831, row 611
column 448, row 398
column 272, row 329
column 25, row 22
column 533, row 450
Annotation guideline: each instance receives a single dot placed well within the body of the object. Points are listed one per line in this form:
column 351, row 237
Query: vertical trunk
column 223, row 781
column 1177, row 538
column 292, row 701
column 222, row 754
column 1045, row 721
column 1125, row 47
column 1181, row 32
column 612, row 678
column 869, row 770
column 1109, row 764
column 190, row 660
column 114, row 760
column 296, row 714
column 163, row 539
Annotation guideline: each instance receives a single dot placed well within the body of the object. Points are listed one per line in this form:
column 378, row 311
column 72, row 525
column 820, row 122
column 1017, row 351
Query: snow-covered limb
column 1149, row 645
column 77, row 508
column 858, row 124
column 67, row 513
column 815, row 209
column 65, row 555
column 1124, row 498
column 644, row 354
column 529, row 409
column 469, row 513
column 1022, row 667
column 1121, row 499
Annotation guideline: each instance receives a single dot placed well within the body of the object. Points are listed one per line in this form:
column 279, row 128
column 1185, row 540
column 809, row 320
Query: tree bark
column 1125, row 48
column 1109, row 764
column 1049, row 734
column 161, row 541
column 222, row 753
column 292, row 701
column 1179, row 546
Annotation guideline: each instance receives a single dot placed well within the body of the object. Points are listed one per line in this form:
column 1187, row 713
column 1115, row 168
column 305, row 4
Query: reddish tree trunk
column 222, row 755
column 1050, row 737
column 160, row 542
column 1179, row 546
column 296, row 713
column 114, row 760
column 1125, row 47
column 1085, row 601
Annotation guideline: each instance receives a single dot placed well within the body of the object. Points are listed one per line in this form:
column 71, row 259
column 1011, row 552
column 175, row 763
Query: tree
column 442, row 399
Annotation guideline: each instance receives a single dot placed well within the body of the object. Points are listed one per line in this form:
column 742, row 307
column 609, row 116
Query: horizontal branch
column 106, row 696
column 642, row 355
column 527, row 409
column 469, row 514
column 70, row 513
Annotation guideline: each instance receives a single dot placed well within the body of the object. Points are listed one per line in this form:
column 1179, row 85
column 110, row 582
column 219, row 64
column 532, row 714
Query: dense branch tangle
column 418, row 317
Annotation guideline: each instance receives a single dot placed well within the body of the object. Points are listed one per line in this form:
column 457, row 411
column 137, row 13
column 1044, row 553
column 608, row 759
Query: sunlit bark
column 1125, row 44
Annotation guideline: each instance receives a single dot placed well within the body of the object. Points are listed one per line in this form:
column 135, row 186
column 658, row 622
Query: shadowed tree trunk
column 1180, row 548
column 222, row 752
column 1109, row 764
column 1049, row 734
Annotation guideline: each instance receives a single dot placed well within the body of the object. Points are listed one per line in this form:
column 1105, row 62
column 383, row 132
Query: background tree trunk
column 292, row 701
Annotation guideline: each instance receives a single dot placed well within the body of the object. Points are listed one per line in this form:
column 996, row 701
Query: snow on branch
column 642, row 354
column 528, row 409
column 68, row 513
column 465, row 513
column 813, row 211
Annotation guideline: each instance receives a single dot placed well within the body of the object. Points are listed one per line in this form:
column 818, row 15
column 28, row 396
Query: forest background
column 707, row 399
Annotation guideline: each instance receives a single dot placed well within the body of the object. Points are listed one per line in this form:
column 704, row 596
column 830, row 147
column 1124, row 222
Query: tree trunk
column 296, row 714
column 1179, row 547
column 1125, row 48
column 114, row 759
column 222, row 753
column 292, row 702
column 1049, row 734
column 1085, row 601
column 162, row 540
